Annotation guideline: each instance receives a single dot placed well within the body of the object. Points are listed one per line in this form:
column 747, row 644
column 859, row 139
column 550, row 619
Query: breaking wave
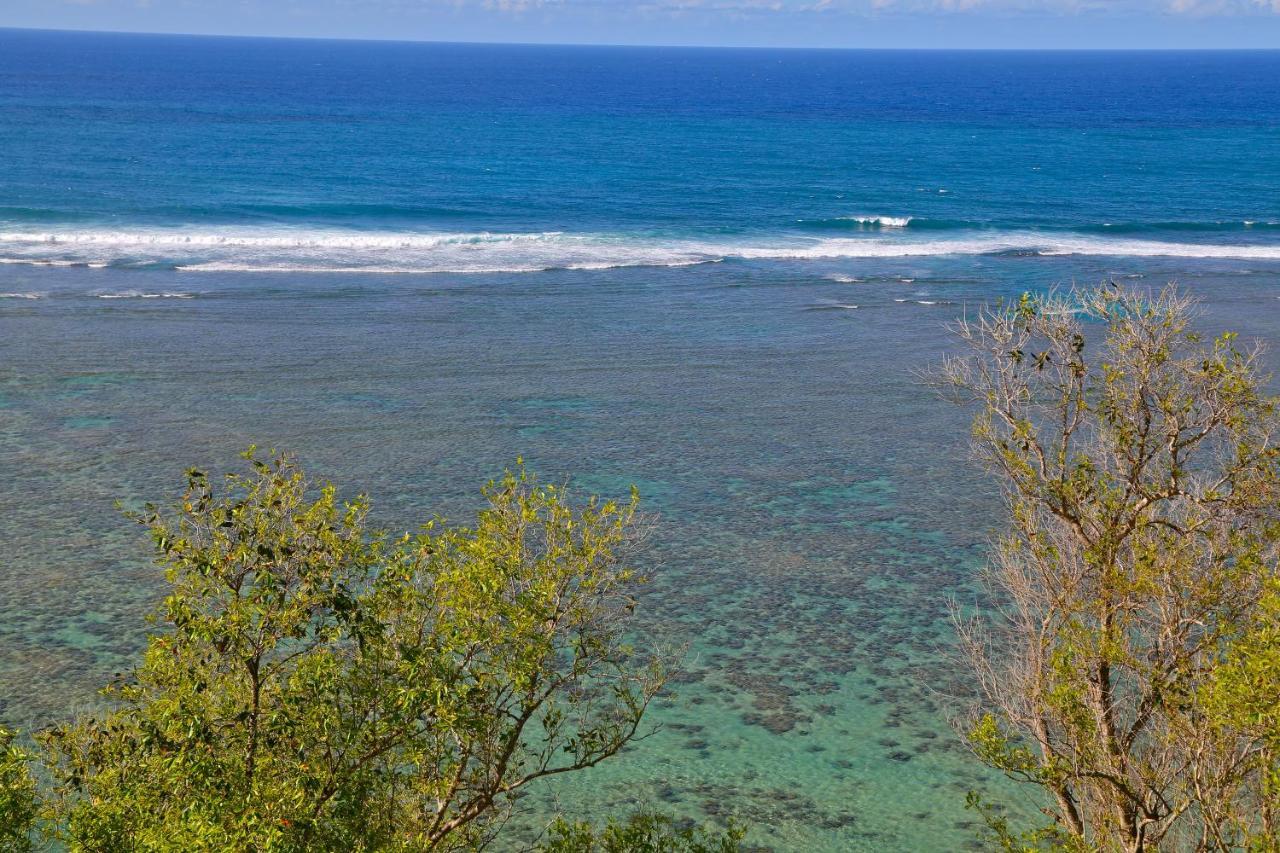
column 138, row 294
column 877, row 221
column 317, row 251
column 918, row 223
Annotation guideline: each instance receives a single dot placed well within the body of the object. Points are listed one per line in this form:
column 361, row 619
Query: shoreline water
column 815, row 506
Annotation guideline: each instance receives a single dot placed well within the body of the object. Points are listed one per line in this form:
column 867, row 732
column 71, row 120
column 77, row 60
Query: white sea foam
column 30, row 295
column 334, row 250
column 844, row 279
column 138, row 294
column 266, row 239
column 45, row 262
column 1029, row 243
column 220, row 266
column 880, row 221
column 1158, row 249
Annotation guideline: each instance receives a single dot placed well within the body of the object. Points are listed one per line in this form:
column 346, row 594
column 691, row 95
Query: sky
column 767, row 23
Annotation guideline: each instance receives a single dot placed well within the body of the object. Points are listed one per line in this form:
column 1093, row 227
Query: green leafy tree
column 318, row 687
column 641, row 833
column 1122, row 670
column 18, row 804
column 1243, row 699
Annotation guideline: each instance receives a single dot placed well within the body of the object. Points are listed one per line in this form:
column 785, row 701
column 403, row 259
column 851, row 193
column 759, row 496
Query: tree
column 641, row 833
column 1244, row 697
column 319, row 687
column 1139, row 466
column 18, row 804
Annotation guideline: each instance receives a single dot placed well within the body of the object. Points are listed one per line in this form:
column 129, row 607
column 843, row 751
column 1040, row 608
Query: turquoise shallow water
column 816, row 506
column 628, row 267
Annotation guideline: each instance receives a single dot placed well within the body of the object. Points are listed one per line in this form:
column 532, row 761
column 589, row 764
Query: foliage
column 1244, row 696
column 641, row 833
column 1131, row 668
column 1041, row 839
column 17, row 795
column 318, row 687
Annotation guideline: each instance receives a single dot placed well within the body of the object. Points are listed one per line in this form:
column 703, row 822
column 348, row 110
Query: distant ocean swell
column 278, row 249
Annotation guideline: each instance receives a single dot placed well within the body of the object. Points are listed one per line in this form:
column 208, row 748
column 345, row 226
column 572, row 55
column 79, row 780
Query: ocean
column 714, row 274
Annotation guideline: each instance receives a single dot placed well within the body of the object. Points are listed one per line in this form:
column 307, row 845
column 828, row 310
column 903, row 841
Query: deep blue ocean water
column 711, row 273
column 250, row 154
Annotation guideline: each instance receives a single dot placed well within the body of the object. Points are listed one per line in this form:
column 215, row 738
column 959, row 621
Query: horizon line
column 672, row 46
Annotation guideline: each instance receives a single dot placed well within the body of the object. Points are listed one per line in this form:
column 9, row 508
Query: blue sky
column 819, row 23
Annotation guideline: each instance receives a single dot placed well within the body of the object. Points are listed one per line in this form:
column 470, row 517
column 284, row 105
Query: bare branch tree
column 1138, row 463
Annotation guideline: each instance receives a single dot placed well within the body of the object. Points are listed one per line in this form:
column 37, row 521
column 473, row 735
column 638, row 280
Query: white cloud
column 1066, row 7
column 1207, row 8
column 1202, row 8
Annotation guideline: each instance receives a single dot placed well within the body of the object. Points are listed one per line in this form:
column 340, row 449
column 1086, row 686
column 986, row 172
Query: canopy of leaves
column 17, row 796
column 641, row 833
column 314, row 686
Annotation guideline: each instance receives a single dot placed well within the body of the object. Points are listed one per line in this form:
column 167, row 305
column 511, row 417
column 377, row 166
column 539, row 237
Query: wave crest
column 879, row 221
column 138, row 294
column 314, row 251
